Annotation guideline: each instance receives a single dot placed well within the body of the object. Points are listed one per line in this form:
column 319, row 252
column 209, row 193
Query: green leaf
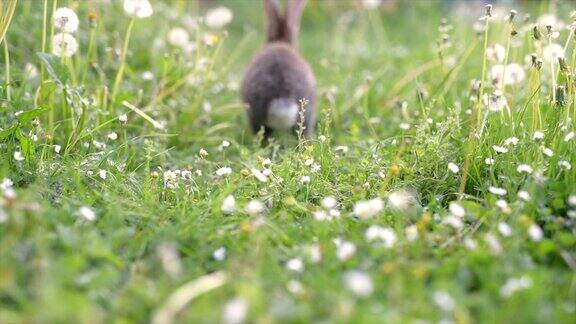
column 4, row 134
column 57, row 70
column 26, row 144
column 27, row 116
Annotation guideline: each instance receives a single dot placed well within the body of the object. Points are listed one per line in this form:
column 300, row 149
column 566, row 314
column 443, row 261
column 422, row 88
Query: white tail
column 282, row 114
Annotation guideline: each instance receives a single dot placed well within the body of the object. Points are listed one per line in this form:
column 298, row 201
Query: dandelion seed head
column 138, row 8
column 65, row 20
column 235, row 311
column 178, row 37
column 254, row 207
column 535, row 233
column 359, row 283
column 365, row 209
column 218, row 17
column 64, row 45
column 384, row 234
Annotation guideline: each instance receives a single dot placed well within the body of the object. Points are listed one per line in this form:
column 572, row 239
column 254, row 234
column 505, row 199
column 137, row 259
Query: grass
column 395, row 108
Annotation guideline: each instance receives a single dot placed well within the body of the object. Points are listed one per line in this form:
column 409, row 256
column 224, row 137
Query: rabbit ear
column 293, row 15
column 275, row 24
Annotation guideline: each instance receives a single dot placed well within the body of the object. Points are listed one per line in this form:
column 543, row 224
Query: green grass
column 377, row 71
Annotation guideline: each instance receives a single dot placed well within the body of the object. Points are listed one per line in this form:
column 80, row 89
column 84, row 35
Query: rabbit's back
column 278, row 74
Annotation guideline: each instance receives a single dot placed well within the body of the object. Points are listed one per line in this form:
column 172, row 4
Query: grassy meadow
column 440, row 186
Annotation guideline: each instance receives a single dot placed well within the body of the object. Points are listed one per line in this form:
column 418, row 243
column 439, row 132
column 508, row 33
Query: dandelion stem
column 552, row 72
column 7, row 64
column 120, row 73
column 475, row 118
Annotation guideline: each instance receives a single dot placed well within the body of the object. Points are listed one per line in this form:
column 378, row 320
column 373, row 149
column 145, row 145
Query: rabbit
column 278, row 82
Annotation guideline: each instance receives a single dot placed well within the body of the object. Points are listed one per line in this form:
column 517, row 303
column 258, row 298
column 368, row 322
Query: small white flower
column 224, row 145
column 568, row 137
column 329, row 202
column 538, row 135
column 224, row 171
column 371, row 4
column 496, row 53
column 6, row 184
column 123, row 118
column 341, row 148
column 365, row 209
column 322, row 138
column 524, row 168
column 453, row 167
column 565, row 164
column 499, row 149
column 295, row 265
column 493, row 243
column 515, row 284
column 457, row 210
column 112, row 136
column 453, row 221
column 18, row 156
column 315, row 168
column 65, row 20
column 228, row 205
column 502, row 204
column 444, row 301
column 138, row 8
column 524, row 195
column 259, row 175
column 57, row 148
column 572, row 200
column 304, row 180
column 218, row 17
column 504, row 229
column 535, row 233
column 254, row 208
column 404, row 126
column 496, row 101
column 552, row 52
column 309, row 162
column 548, row 152
column 102, row 174
column 266, row 162
column 203, row 153
column 511, row 141
column 385, row 234
column 64, row 45
column 411, row 233
column 359, row 283
column 489, row 161
column 87, row 213
column 344, row 249
column 497, row 191
column 178, row 37
column 401, row 200
column 235, row 311
column 320, row 215
column 219, row 254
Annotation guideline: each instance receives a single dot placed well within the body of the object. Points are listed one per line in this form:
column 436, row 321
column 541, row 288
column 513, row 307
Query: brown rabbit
column 278, row 79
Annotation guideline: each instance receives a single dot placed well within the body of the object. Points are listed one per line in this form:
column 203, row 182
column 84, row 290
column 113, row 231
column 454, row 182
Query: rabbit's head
column 283, row 27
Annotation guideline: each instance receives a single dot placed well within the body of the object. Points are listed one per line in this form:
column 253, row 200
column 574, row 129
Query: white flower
column 524, row 195
column 548, row 152
column 496, row 53
column 365, row 209
column 224, row 145
column 552, row 52
column 219, row 254
column 57, row 148
column 112, row 136
column 138, row 8
column 565, row 164
column 515, row 284
column 404, row 126
column 371, row 4
column 456, row 209
column 385, row 234
column 569, row 136
column 295, row 265
column 322, row 138
column 489, row 161
column 203, row 152
column 572, row 200
column 309, row 162
column 493, row 243
column 444, row 301
column 102, row 174
column 235, row 311
column 321, row 215
column 401, row 200
column 344, row 249
column 224, row 171
column 453, row 221
column 497, row 191
column 304, row 180
column 341, row 148
column 453, row 167
column 550, row 20
column 504, row 229
column 502, row 204
column 18, row 156
column 65, row 20
column 315, row 168
column 218, row 17
column 514, row 74
column 6, row 184
column 266, row 162
column 535, row 233
column 496, row 101
column 329, row 202
column 524, row 168
column 511, row 141
column 359, row 283
column 499, row 149
column 538, row 135
column 411, row 232
column 178, row 37
column 170, row 179
column 259, row 175
column 87, row 213
column 64, row 45
column 228, row 205
column 254, row 208
column 123, row 118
